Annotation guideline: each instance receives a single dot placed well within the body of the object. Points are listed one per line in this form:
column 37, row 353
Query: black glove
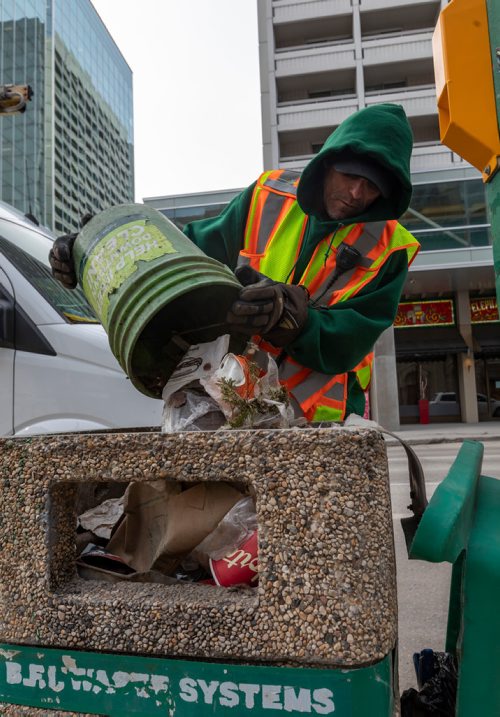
column 61, row 261
column 60, row 257
column 275, row 311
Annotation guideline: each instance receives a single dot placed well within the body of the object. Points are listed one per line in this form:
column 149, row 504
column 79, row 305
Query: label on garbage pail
column 114, row 258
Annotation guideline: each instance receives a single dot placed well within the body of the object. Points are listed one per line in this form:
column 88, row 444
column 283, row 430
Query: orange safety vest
column 273, row 238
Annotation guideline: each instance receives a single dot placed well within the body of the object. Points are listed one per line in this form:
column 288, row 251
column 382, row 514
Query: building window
column 449, row 215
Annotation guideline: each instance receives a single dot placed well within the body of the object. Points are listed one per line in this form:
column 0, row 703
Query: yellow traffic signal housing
column 463, row 70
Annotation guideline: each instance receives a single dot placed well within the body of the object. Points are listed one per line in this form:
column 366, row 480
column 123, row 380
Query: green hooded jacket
column 335, row 339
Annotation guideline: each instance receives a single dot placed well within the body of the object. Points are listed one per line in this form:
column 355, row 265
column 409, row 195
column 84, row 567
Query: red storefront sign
column 484, row 310
column 425, row 313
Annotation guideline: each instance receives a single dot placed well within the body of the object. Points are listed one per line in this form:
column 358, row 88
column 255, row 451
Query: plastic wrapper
column 191, row 409
column 248, row 395
column 101, row 519
column 437, row 679
column 236, row 526
column 187, row 406
column 230, row 551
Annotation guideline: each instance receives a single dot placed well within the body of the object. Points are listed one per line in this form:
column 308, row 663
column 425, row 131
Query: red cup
column 239, row 567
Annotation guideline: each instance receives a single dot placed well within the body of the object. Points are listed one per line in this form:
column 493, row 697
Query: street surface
column 423, row 587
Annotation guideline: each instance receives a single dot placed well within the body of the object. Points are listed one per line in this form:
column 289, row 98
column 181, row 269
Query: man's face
column 347, row 195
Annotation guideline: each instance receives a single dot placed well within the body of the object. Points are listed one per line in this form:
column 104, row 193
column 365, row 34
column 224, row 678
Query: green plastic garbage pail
column 153, row 290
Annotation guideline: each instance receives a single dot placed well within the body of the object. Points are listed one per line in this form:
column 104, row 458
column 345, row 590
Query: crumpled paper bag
column 162, row 523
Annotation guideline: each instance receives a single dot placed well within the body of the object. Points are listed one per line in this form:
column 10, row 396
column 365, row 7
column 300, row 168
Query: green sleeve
column 221, row 237
column 335, row 339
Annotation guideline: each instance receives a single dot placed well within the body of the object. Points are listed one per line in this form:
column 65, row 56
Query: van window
column 28, row 251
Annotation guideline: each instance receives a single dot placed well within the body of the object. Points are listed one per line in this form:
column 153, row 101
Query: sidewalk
column 417, row 434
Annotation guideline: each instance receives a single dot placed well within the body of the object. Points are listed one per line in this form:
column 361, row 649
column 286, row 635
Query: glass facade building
column 448, row 214
column 71, row 151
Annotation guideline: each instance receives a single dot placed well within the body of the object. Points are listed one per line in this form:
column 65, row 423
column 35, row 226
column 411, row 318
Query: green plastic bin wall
column 461, row 526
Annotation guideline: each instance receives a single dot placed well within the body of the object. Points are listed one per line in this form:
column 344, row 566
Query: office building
column 71, row 152
column 320, row 61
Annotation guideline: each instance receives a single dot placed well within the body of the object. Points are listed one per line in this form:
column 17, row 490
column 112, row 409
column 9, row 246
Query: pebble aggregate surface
column 327, row 579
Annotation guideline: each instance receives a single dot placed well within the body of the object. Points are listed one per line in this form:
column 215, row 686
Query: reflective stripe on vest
column 327, row 408
column 364, row 371
column 273, row 239
column 312, row 389
column 274, row 217
column 375, row 241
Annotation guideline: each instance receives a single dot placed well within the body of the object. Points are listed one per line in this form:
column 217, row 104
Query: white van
column 57, row 372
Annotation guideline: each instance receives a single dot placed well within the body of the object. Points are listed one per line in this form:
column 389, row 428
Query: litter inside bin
column 238, row 567
column 97, row 556
column 230, row 551
column 172, row 529
column 203, row 532
column 101, row 519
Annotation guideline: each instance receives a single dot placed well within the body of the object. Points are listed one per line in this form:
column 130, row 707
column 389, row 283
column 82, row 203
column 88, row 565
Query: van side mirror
column 6, row 323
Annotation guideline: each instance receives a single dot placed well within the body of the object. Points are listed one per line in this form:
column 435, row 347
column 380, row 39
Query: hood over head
column 377, row 140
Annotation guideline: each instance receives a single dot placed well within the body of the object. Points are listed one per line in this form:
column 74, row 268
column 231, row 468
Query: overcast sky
column 197, row 123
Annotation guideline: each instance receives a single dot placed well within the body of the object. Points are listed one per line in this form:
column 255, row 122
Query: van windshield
column 28, row 250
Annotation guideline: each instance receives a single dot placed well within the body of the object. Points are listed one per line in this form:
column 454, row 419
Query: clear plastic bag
column 249, row 396
column 187, row 406
column 235, row 527
column 230, row 552
column 191, row 409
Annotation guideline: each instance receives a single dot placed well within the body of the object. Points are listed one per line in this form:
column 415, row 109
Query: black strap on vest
column 347, row 258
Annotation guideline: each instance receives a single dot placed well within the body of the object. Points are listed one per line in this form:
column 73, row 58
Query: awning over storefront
column 488, row 337
column 428, row 343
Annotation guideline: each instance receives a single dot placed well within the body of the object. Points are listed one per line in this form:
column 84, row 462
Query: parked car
column 57, row 371
column 445, row 403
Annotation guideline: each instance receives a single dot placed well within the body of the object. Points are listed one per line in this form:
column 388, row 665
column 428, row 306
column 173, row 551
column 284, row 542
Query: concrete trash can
column 317, row 636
